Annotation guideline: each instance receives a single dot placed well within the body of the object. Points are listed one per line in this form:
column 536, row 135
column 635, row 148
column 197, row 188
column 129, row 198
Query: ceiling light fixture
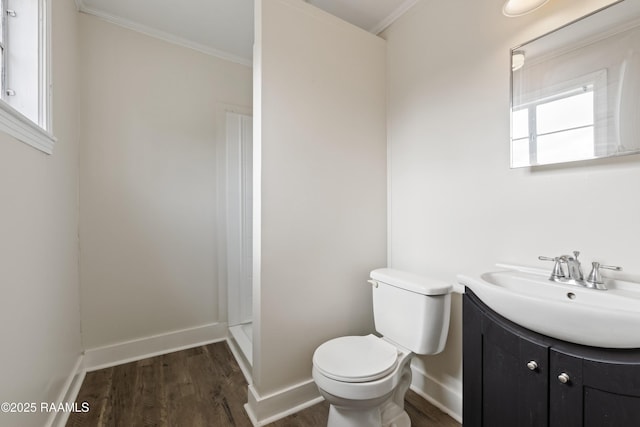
column 513, row 8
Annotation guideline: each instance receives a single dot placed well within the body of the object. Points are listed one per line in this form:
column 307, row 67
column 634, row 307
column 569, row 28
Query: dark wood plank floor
column 202, row 386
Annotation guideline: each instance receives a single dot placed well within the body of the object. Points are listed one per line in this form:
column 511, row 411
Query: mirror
column 575, row 92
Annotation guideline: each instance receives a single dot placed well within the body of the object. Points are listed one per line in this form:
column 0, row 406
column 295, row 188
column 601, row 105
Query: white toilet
column 365, row 378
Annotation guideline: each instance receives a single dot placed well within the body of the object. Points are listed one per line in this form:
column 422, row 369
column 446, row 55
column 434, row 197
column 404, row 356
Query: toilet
column 365, row 378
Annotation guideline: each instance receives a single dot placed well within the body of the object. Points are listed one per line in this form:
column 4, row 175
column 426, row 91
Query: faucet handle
column 576, row 254
column 611, row 267
column 557, row 267
column 595, row 278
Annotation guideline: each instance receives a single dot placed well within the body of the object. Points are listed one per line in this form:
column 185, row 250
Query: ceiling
column 224, row 28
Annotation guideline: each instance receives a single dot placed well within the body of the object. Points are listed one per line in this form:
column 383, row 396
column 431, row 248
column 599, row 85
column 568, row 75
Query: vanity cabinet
column 515, row 377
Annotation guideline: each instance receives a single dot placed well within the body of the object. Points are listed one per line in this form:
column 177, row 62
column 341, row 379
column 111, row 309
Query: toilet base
column 391, row 415
column 394, row 416
column 346, row 417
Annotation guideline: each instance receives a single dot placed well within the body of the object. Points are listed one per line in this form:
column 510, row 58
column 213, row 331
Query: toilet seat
column 356, row 359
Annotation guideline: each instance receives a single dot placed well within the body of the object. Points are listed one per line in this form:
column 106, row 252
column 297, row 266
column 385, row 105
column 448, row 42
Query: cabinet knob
column 532, row 365
column 563, row 378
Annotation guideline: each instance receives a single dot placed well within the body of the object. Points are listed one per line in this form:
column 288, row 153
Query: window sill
column 20, row 127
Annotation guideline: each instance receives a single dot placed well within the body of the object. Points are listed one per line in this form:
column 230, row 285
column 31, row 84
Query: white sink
column 600, row 318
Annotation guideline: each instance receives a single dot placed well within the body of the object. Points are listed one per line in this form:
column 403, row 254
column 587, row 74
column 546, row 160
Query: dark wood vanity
column 514, row 377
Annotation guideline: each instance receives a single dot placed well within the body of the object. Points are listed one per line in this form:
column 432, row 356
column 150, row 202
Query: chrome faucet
column 574, row 274
column 574, row 269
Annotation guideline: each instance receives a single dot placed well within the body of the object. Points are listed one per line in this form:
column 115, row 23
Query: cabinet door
column 515, row 378
column 533, row 407
column 501, row 391
column 597, row 393
column 565, row 393
column 611, row 393
column 505, row 375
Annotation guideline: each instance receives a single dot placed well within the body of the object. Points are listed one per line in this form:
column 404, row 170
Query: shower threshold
column 243, row 336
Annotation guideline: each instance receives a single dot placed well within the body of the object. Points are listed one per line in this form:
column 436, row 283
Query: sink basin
column 600, row 318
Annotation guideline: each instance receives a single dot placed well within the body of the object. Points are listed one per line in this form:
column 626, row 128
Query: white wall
column 455, row 205
column 320, row 188
column 39, row 312
column 152, row 114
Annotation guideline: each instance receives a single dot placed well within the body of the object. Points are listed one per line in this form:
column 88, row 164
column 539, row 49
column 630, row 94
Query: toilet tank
column 411, row 310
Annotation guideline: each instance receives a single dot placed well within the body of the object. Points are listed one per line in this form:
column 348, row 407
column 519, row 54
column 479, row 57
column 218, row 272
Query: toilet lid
column 355, row 359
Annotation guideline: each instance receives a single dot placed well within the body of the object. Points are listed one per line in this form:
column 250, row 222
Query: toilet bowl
column 365, row 378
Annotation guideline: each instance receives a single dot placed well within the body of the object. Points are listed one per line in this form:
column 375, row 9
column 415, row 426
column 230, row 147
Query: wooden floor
column 202, row 386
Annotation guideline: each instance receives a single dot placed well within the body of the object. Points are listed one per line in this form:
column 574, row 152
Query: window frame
column 16, row 124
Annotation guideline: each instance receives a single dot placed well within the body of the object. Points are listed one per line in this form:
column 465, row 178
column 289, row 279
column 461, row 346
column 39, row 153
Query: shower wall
column 148, row 205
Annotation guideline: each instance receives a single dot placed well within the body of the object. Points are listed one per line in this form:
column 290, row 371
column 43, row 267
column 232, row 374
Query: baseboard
column 68, row 393
column 445, row 397
column 130, row 351
column 263, row 410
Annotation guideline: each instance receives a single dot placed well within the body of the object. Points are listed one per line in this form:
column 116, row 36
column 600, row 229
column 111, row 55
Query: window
column 25, row 75
column 564, row 124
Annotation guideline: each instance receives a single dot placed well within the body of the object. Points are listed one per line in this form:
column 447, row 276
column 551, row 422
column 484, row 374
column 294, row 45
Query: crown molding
column 180, row 41
column 162, row 35
column 397, row 13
